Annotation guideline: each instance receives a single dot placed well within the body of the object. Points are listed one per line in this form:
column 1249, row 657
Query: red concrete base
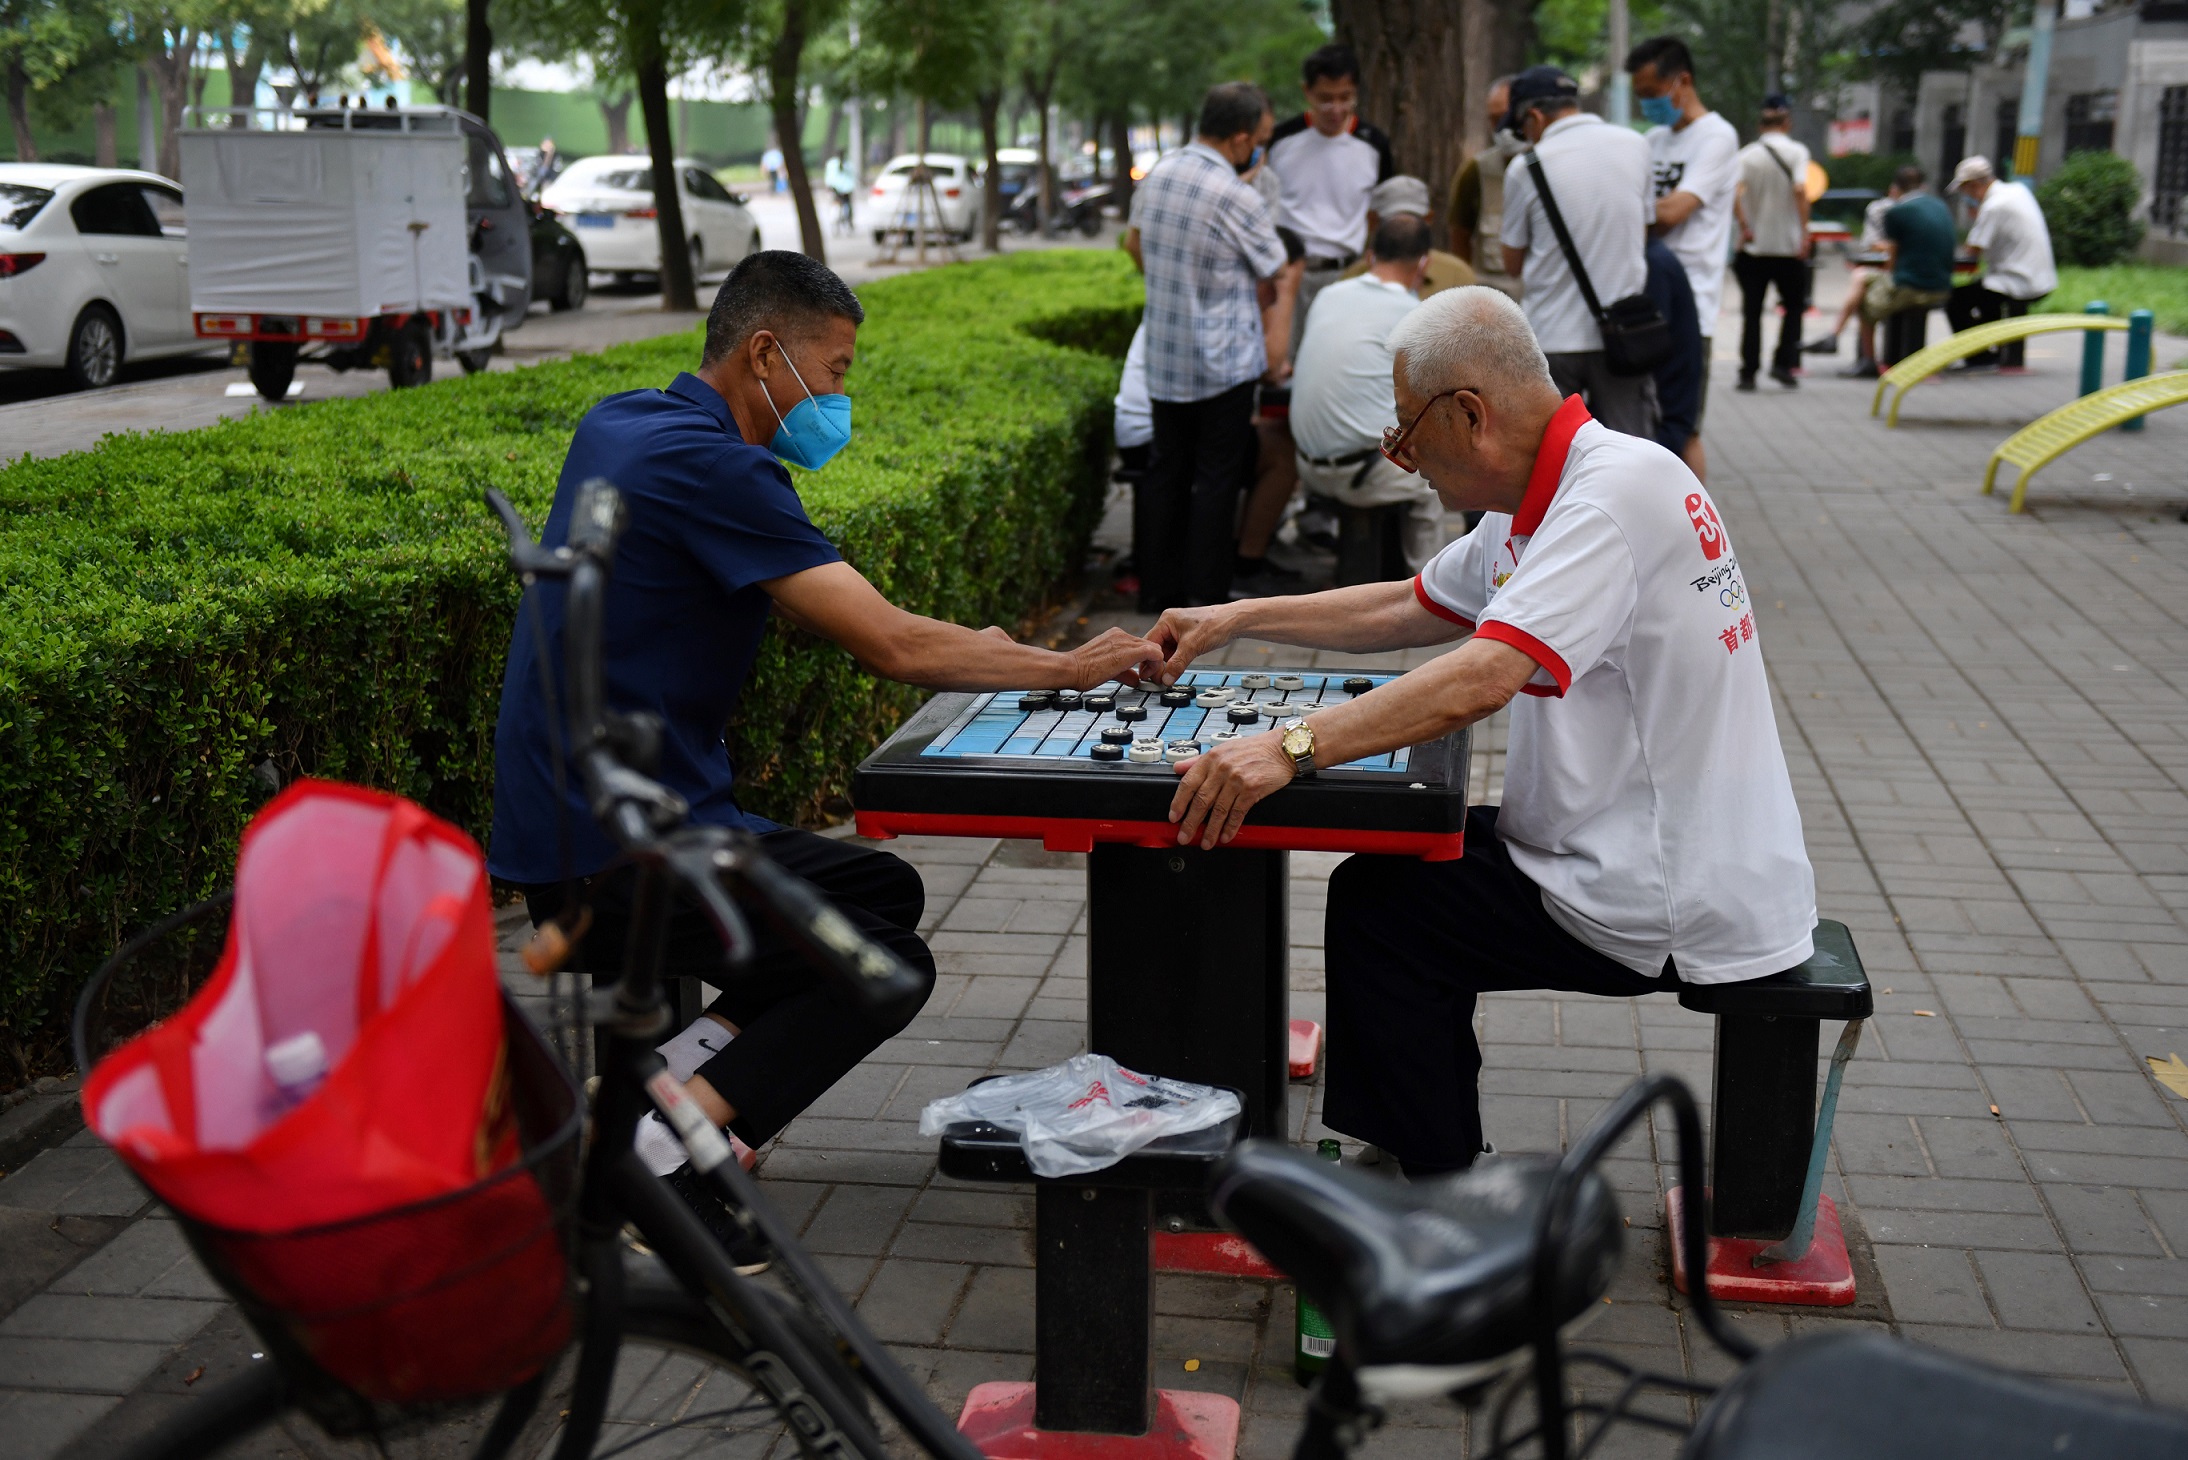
column 1189, row 1425
column 1824, row 1278
column 1212, row 1254
column 1306, row 1048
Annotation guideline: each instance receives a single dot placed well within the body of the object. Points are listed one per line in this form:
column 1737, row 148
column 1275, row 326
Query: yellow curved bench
column 1926, row 362
column 2053, row 435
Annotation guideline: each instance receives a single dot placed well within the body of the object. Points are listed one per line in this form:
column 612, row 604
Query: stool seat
column 973, row 1150
column 1831, row 985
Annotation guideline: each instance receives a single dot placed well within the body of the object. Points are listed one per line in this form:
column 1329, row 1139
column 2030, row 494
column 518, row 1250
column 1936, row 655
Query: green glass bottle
column 1313, row 1341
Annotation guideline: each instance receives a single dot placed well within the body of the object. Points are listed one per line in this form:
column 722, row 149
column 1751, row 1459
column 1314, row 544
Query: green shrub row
column 321, row 586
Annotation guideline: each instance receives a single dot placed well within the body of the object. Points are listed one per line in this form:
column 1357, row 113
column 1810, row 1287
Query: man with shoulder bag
column 1771, row 208
column 1575, row 228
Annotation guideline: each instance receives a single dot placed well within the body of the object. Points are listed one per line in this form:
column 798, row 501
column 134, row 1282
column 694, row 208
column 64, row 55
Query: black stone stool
column 1094, row 1299
column 1370, row 541
column 1904, row 333
column 1768, row 1141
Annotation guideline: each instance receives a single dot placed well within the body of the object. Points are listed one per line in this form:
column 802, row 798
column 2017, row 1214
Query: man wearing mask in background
column 1477, row 195
column 1694, row 160
column 1329, row 161
column 716, row 541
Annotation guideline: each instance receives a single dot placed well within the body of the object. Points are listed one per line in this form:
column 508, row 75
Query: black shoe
column 1828, row 345
column 1746, row 381
column 1786, row 378
column 1861, row 370
column 748, row 1254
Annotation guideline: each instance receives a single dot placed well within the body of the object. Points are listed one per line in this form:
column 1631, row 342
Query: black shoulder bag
column 1636, row 336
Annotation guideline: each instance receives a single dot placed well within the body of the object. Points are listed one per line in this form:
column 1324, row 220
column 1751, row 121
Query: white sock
column 705, row 1039
column 658, row 1146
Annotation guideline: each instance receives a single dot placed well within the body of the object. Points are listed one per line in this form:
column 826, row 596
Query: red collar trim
column 1557, row 444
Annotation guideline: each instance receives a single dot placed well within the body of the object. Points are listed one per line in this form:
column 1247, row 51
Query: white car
column 608, row 203
column 893, row 208
column 94, row 270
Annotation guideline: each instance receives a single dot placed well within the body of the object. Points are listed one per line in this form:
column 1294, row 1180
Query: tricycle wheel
column 473, row 361
column 410, row 355
column 273, row 366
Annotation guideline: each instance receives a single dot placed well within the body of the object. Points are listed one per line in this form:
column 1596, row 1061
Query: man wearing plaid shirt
column 1212, row 254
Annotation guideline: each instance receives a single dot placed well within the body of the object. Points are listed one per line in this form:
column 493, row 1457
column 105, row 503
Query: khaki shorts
column 1884, row 298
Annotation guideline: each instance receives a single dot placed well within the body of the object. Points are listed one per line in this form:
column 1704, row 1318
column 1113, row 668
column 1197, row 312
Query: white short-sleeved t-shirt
column 1772, row 169
column 1599, row 175
column 1645, row 790
column 2009, row 228
column 1702, row 158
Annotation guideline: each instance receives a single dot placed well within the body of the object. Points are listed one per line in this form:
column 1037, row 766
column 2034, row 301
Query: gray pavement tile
column 2037, row 1290
column 141, row 1320
column 2161, row 1364
column 950, row 1242
column 998, row 1311
column 1933, row 1285
column 912, row 1302
column 131, row 1264
column 79, row 1365
column 74, row 1181
column 858, row 1220
column 2102, row 1219
column 40, row 1426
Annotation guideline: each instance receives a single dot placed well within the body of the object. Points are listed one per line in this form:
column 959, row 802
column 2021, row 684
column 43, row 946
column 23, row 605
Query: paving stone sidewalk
column 1985, row 720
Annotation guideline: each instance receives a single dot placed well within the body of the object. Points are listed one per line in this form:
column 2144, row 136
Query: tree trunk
column 1120, row 142
column 105, row 150
column 782, row 85
column 1038, row 90
column 171, row 75
column 616, row 112
column 244, row 68
column 26, row 144
column 679, row 290
column 1409, row 50
column 478, row 59
column 991, row 196
column 834, row 136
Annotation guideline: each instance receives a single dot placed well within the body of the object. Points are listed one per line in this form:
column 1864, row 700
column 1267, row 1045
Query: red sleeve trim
column 1534, row 649
column 1420, row 591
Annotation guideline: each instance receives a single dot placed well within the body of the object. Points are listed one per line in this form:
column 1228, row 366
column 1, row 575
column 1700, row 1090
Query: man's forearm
column 1362, row 620
column 937, row 655
column 1469, row 684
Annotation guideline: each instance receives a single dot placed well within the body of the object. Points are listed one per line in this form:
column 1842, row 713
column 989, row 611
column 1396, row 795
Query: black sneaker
column 1860, row 370
column 748, row 1254
column 1786, row 378
column 1828, row 345
column 1745, row 382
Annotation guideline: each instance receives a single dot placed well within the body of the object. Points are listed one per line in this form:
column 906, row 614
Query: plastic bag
column 1085, row 1114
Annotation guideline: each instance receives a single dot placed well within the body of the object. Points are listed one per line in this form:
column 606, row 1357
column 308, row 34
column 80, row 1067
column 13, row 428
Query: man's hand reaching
column 1184, row 634
column 1117, row 655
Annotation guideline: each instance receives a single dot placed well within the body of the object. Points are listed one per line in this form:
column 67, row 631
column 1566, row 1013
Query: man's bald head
column 1475, row 337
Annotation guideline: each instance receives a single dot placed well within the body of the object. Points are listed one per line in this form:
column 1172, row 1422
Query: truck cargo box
column 335, row 218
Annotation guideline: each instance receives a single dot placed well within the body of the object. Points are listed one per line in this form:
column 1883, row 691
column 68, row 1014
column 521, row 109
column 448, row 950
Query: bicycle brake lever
column 694, row 867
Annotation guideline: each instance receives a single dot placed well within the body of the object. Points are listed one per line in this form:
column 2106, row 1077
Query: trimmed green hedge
column 322, row 586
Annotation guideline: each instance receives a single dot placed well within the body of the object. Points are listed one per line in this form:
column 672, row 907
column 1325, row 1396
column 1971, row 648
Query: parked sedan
column 94, row 270
column 894, row 207
column 609, row 200
column 559, row 266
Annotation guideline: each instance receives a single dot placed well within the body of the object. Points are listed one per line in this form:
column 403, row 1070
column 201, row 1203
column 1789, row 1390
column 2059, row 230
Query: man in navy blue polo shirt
column 717, row 539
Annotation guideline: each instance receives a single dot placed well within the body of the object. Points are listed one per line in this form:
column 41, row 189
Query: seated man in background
column 1918, row 244
column 2010, row 237
column 1649, row 835
column 1341, row 395
column 717, row 540
column 1409, row 196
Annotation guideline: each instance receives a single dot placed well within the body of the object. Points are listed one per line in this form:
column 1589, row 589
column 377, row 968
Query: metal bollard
column 2093, row 350
column 2139, row 326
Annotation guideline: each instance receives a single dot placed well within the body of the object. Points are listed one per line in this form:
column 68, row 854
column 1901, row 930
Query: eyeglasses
column 1394, row 439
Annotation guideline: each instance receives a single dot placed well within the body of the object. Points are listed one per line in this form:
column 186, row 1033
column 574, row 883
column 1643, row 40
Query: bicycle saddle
column 1436, row 1274
column 1840, row 1395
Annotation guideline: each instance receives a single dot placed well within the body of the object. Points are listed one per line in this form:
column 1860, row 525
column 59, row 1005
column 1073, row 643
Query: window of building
column 1955, row 128
column 2089, row 116
column 2009, row 126
column 1902, row 137
column 2172, row 175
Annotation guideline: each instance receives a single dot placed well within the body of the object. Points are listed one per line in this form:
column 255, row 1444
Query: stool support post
column 1795, row 1245
column 1093, row 1308
column 1761, row 1115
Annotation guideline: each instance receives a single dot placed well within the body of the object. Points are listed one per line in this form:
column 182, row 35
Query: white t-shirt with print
column 2009, row 227
column 1702, row 158
column 1645, row 790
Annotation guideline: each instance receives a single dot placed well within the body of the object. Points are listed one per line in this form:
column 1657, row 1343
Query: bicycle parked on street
column 1469, row 1286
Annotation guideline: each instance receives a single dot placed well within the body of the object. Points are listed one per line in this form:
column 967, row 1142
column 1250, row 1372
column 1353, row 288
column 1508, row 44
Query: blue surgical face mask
column 817, row 427
column 1659, row 111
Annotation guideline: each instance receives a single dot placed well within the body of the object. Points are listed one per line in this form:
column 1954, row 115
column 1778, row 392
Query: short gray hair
column 1469, row 338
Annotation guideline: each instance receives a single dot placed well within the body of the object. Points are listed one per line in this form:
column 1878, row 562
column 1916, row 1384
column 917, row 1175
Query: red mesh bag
column 346, row 1118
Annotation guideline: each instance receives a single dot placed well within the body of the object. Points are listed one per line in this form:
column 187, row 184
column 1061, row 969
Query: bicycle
column 1467, row 1287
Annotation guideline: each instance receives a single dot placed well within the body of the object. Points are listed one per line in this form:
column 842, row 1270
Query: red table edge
column 1063, row 834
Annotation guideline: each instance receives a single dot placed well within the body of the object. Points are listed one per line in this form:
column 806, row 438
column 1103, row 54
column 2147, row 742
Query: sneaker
column 1861, row 370
column 1828, row 345
column 748, row 1254
column 1785, row 378
column 1746, row 381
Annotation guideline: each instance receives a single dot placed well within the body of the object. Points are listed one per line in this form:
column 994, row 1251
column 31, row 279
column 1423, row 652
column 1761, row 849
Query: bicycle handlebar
column 649, row 821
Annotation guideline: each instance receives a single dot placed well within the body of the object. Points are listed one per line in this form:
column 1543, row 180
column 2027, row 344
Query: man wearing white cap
column 2015, row 245
column 1409, row 196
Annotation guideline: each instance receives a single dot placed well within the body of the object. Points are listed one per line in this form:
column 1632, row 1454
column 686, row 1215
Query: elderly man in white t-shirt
column 1648, row 835
column 2010, row 234
column 1341, row 398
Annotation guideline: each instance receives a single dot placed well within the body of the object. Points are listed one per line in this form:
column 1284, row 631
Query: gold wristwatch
column 1298, row 743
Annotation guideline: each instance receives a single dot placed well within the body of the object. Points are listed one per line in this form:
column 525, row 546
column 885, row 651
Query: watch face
column 1297, row 738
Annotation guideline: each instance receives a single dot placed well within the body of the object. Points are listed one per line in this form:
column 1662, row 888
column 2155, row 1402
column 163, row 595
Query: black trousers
column 1408, row 944
column 1789, row 276
column 797, row 1036
column 1971, row 305
column 1185, row 515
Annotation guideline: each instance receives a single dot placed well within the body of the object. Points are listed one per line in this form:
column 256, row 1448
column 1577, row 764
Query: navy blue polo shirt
column 710, row 518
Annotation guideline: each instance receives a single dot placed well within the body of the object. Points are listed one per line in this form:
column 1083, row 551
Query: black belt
column 1349, row 459
column 1317, row 265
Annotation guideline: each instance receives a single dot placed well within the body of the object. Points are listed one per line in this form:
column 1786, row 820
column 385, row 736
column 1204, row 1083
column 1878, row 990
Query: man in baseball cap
column 2011, row 238
column 1539, row 84
column 1408, row 197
